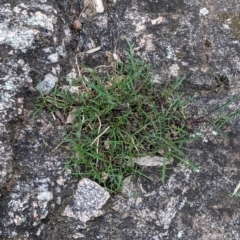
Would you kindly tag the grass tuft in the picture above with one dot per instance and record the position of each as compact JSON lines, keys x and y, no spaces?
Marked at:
{"x":118,"y":117}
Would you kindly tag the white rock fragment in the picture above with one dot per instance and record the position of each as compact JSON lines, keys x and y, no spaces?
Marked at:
{"x":147,"y":41}
{"x":61,"y":51}
{"x":45,"y":196}
{"x":47,"y":50}
{"x":98,"y":5}
{"x":53,"y":58}
{"x":59,"y":200}
{"x":67,"y":33}
{"x":71,"y":76}
{"x":39,"y":19}
{"x":205,"y":140}
{"x":19,"y":220}
{"x":38,"y":232}
{"x":47,"y":84}
{"x":226,"y":26}
{"x":43,"y":187}
{"x":180,"y":234}
{"x":203,"y":12}
{"x":87,"y":201}
{"x":58,"y":189}
{"x":46,"y":8}
{"x":174,"y":70}
{"x":214,"y":133}
{"x":61,"y":181}
{"x":43,"y":214}
{"x":116,"y":57}
{"x":157,"y":20}
{"x":78,"y":236}
{"x":56,"y":70}
{"x":170,"y":52}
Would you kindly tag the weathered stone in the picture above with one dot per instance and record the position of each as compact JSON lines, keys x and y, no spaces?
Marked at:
{"x":46,"y":86}
{"x":77,"y":25}
{"x":61,"y":51}
{"x":45,"y":196}
{"x":87,"y":202}
{"x":53,"y":58}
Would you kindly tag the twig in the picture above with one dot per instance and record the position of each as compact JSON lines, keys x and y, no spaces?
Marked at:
{"x":79,"y":72}
{"x":60,"y":143}
{"x":134,"y":145}
{"x":57,"y":146}
{"x":99,"y":129}
{"x":84,"y":8}
{"x":99,"y":136}
{"x":89,"y":125}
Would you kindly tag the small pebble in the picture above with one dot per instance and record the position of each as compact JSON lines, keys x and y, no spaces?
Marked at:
{"x":77,"y":25}
{"x":45,"y":196}
{"x":53,"y":58}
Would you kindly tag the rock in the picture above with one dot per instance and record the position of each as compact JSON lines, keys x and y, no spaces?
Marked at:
{"x":91,"y":7}
{"x":203,"y":12}
{"x":174,"y":70}
{"x":98,"y":4}
{"x":87,"y":202}
{"x":45,"y":196}
{"x":77,"y":25}
{"x":71,"y":76}
{"x":61,"y":51}
{"x":53,"y":58}
{"x":46,"y":86}
{"x":38,"y":19}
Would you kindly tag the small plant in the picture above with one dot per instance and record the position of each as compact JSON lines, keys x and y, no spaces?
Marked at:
{"x":118,"y":117}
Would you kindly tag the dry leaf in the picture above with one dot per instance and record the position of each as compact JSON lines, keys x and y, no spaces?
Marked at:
{"x":60,"y":116}
{"x":127,"y":185}
{"x":151,"y":161}
{"x":71,"y":116}
{"x":104,"y":176}
{"x":161,"y":151}
{"x":93,"y":50}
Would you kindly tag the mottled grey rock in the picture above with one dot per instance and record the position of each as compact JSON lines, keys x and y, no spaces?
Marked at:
{"x":87,"y":202}
{"x":45,"y":196}
{"x":20,"y":34}
{"x":46,"y":86}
